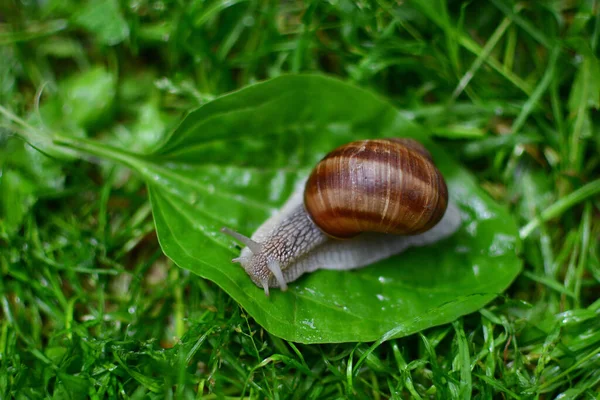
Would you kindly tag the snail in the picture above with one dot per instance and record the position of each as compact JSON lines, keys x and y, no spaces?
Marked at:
{"x":363,"y":202}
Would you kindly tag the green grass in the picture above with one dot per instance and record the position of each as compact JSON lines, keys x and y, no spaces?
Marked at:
{"x":91,"y":308}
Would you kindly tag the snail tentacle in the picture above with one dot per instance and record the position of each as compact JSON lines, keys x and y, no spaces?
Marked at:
{"x":251,"y":244}
{"x":275,"y":269}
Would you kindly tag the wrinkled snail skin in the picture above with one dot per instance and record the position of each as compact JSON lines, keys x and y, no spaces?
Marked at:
{"x":287,"y":237}
{"x":369,"y":189}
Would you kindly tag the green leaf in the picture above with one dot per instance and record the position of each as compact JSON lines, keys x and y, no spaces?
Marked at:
{"x":586,"y":87}
{"x":235,"y":160}
{"x":16,"y":198}
{"x":105,"y":20}
{"x":25,"y":174}
{"x":85,"y":99}
{"x":71,"y":386}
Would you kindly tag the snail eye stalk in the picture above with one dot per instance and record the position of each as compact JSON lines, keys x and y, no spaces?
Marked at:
{"x":251,"y":244}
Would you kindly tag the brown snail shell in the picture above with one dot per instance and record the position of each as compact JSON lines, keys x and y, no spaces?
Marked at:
{"x":385,"y":185}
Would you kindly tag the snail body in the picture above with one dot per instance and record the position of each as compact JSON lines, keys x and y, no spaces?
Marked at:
{"x":364,"y":202}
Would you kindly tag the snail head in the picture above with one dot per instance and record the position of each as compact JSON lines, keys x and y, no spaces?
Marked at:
{"x":258,"y":266}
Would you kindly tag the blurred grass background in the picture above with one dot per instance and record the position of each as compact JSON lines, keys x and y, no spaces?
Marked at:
{"x":90,"y":308}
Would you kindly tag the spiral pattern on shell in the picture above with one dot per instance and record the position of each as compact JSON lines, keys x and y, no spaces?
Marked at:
{"x":381,"y":185}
